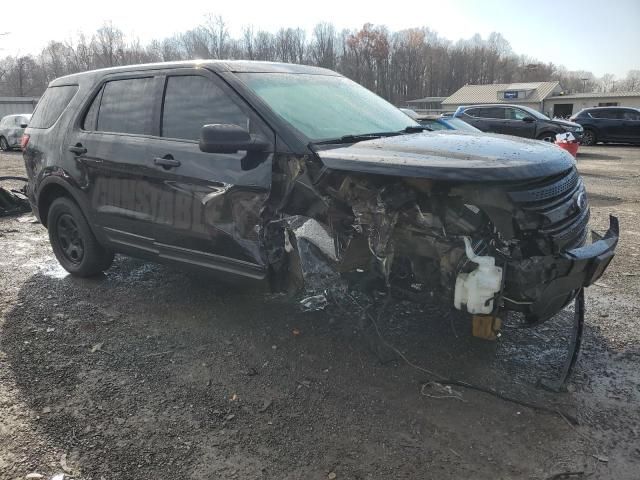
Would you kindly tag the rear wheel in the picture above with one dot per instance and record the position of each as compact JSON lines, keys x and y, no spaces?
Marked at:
{"x":4,"y":145}
{"x":73,"y":243}
{"x":588,"y":138}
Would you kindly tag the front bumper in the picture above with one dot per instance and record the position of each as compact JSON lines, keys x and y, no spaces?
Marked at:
{"x":544,"y":285}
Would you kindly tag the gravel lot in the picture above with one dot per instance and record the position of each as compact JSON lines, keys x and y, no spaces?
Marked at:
{"x":152,"y":373}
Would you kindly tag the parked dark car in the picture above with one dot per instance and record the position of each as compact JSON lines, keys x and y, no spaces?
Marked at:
{"x":445,"y":122}
{"x":300,"y":178}
{"x":609,"y":124}
{"x":516,"y":120}
{"x":11,"y":130}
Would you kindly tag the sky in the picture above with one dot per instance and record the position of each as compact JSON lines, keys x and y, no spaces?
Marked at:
{"x":594,"y":35}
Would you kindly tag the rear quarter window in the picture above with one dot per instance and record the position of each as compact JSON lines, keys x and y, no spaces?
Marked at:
{"x":51,"y":105}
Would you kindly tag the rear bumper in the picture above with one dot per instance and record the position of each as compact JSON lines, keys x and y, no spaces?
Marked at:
{"x":542,"y":286}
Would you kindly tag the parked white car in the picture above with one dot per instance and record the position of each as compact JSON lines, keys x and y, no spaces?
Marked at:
{"x":11,"y":130}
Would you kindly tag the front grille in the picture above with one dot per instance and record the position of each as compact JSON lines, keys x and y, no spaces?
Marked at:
{"x":555,"y":208}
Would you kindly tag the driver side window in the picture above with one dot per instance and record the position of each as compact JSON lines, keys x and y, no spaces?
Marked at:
{"x":192,"y":101}
{"x":515,"y":114}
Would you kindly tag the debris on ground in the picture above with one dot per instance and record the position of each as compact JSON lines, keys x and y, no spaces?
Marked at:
{"x":438,"y":390}
{"x":12,"y":201}
{"x":314,"y":303}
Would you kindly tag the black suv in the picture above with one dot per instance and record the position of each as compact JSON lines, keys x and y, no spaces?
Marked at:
{"x":301,"y":178}
{"x":516,"y":120}
{"x":609,"y":124}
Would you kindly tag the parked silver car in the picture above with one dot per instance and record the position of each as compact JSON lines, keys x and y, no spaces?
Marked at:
{"x":11,"y":130}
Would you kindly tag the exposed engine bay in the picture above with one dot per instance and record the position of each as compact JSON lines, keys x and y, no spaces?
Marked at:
{"x":481,"y":247}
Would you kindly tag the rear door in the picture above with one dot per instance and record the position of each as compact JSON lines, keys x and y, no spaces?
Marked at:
{"x":487,"y":119}
{"x":110,"y":144}
{"x":211,"y":202}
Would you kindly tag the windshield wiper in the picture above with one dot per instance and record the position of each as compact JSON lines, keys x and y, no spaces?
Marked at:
{"x":356,"y":138}
{"x":370,"y":136}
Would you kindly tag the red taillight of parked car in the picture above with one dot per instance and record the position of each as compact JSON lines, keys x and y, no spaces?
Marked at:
{"x":24,"y":141}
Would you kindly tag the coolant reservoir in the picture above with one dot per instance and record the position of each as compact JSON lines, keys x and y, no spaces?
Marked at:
{"x":477,"y":289}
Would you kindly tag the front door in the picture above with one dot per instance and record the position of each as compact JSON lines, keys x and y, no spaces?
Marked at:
{"x":153,"y":192}
{"x":631,"y":125}
{"x":519,"y":122}
{"x":211,"y":202}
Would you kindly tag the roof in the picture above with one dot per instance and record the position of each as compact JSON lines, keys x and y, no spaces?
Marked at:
{"x":18,"y":115}
{"x":215,"y":65}
{"x":596,"y":95}
{"x":427,"y":100}
{"x":479,"y":94}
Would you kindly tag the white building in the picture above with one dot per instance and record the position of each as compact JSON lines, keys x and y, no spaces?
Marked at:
{"x":566,"y":105}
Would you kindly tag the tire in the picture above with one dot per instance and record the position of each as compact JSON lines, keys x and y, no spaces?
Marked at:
{"x":73,"y":243}
{"x":4,"y":145}
{"x":547,"y":137}
{"x":588,"y":138}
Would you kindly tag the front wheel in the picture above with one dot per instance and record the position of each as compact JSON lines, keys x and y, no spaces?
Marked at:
{"x":547,"y":137}
{"x":73,"y":243}
{"x":4,"y":145}
{"x":588,"y":138}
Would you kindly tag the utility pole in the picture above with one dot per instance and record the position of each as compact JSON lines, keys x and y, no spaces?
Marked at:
{"x":584,"y":84}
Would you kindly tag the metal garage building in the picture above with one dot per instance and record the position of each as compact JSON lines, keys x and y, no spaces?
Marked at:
{"x":546,"y":97}
{"x":11,"y":105}
{"x":566,"y":105}
{"x":531,"y":94}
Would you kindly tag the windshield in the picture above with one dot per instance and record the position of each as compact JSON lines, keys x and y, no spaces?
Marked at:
{"x":458,"y":124}
{"x":534,"y":113}
{"x":325,"y":107}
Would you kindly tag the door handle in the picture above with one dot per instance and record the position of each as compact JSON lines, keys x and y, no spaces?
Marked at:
{"x":166,"y":162}
{"x":77,"y":149}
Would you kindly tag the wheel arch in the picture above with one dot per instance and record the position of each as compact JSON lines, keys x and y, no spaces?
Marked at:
{"x":53,"y":187}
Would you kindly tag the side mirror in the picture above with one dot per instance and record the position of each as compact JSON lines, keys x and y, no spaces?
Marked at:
{"x":528,"y":119}
{"x":229,"y":138}
{"x":23,"y":125}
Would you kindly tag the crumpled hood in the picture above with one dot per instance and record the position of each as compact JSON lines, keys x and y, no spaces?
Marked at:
{"x":565,"y":123}
{"x":450,"y":155}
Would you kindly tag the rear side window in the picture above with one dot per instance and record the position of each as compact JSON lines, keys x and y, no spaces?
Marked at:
{"x":605,"y":114}
{"x":126,"y":106}
{"x":631,"y":115}
{"x":192,"y":101}
{"x":51,"y":105}
{"x":492,"y":112}
{"x":486,"y":112}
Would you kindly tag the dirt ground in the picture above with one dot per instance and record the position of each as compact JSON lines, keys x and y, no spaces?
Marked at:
{"x":152,"y":373}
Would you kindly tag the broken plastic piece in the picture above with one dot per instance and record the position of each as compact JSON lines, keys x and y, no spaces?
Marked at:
{"x":316,"y":302}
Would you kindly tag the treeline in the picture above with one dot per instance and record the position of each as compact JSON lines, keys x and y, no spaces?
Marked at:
{"x":401,"y":65}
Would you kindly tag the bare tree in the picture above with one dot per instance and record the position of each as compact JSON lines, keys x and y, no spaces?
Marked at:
{"x":400,"y":65}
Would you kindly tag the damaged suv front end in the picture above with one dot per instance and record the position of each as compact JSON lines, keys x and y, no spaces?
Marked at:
{"x":484,"y":223}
